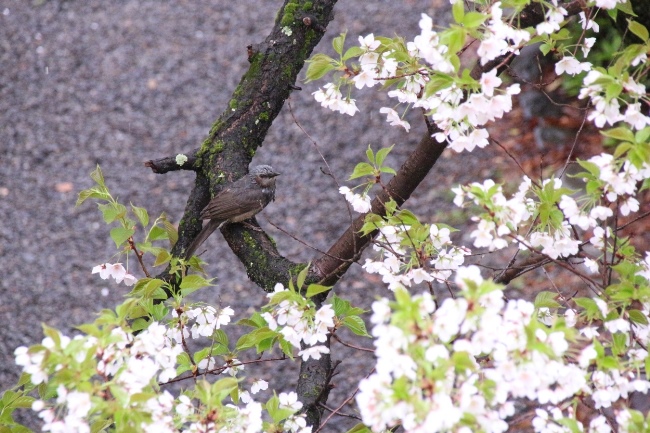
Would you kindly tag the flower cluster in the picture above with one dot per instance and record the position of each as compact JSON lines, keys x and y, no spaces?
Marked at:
{"x":115,"y":270}
{"x":500,"y":37}
{"x":130,"y":362}
{"x":503,"y":217}
{"x":206,"y":320}
{"x":396,"y":266}
{"x":435,"y":380}
{"x":375,"y":67}
{"x":607,"y":108}
{"x":360,"y":203}
{"x":330,"y":97}
{"x":298,"y":324}
{"x":78,"y":406}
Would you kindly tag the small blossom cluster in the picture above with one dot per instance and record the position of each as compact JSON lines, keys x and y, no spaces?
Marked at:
{"x":134,"y":361}
{"x":461,"y":119}
{"x":78,"y":406}
{"x":330,"y":97}
{"x":247,"y":419}
{"x":115,"y":270}
{"x":553,"y":17}
{"x":206,"y":321}
{"x":296,"y":423}
{"x":431,"y":381}
{"x":618,"y":183}
{"x":360,"y":203}
{"x":607,"y":109}
{"x":294,"y":321}
{"x":395,"y":267}
{"x":619,"y":180}
{"x":375,"y":67}
{"x":500,"y":37}
{"x":504,"y":215}
{"x":130,"y":362}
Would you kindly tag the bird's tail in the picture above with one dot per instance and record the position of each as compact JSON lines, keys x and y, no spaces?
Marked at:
{"x":205,"y":232}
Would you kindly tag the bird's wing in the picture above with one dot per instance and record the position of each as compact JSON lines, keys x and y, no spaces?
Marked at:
{"x":233,"y":202}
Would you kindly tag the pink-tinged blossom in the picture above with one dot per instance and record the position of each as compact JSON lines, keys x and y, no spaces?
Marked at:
{"x":588,"y":23}
{"x":587,"y":45}
{"x":369,"y":43}
{"x":608,"y":4}
{"x":554,"y":17}
{"x":313,"y":352}
{"x":330,"y":97}
{"x":489,"y":81}
{"x":360,"y":203}
{"x":115,"y":270}
{"x":289,"y":400}
{"x":393,"y":118}
{"x":635,"y":118}
{"x":591,"y":265}
{"x":259,"y":385}
{"x":571,"y":65}
{"x":365,"y":78}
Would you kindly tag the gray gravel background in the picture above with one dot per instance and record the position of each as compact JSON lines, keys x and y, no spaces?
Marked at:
{"x":117,"y":83}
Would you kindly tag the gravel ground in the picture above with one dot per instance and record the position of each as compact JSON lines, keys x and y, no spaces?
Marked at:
{"x":118,"y":83}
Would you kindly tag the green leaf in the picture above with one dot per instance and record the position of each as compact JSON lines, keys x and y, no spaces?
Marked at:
{"x":142,"y":215}
{"x":341,"y":306}
{"x":254,"y":337}
{"x":637,"y":316}
{"x":356,"y":325}
{"x":162,"y":257}
{"x":112,"y":211}
{"x":359,"y":428}
{"x":638,"y":29}
{"x":157,"y":233}
{"x":612,"y":90}
{"x":590,"y":307}
{"x":95,"y":192}
{"x":642,"y":135}
{"x":621,"y":133}
{"x":362,"y":169}
{"x":352,"y":52}
{"x":319,"y":65}
{"x":382,"y":154}
{"x":194,"y":282}
{"x":370,"y":155}
{"x":151,"y":286}
{"x":546,"y":300}
{"x":315,"y":289}
{"x":172,"y":233}
{"x":458,"y":11}
{"x":625,"y":8}
{"x":302,"y":275}
{"x":338,"y":43}
{"x":98,"y":176}
{"x":387,"y":170}
{"x":545,"y":48}
{"x":120,"y":235}
{"x":473,"y":19}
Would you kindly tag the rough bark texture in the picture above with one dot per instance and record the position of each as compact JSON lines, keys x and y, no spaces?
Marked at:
{"x":234,"y":138}
{"x":331,"y":266}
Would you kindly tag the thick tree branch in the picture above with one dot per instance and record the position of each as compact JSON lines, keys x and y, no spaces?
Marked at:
{"x":331,"y":266}
{"x":240,"y":130}
{"x":164,"y":165}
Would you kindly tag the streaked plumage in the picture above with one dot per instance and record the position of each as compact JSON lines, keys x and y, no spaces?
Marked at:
{"x":239,"y":201}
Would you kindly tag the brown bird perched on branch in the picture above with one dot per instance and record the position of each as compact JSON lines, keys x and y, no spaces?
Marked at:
{"x":239,"y":201}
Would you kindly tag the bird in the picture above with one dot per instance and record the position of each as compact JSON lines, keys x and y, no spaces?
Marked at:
{"x":239,"y":201}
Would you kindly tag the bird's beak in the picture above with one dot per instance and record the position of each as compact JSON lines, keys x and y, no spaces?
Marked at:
{"x":275,"y":173}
